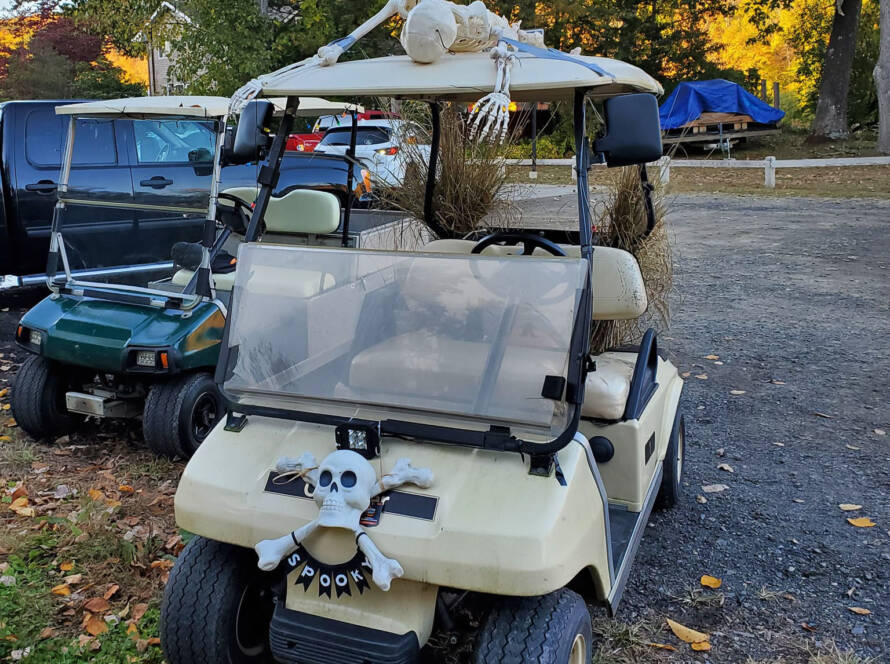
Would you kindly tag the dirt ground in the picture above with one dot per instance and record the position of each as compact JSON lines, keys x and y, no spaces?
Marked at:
{"x":790,"y":300}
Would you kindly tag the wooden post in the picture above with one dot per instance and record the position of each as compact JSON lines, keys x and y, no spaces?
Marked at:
{"x":776,"y":100}
{"x":769,"y":173}
{"x":664,"y":173}
{"x":763,"y":91}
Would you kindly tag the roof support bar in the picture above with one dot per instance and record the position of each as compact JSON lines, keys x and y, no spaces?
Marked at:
{"x":428,"y":214}
{"x":350,"y":178}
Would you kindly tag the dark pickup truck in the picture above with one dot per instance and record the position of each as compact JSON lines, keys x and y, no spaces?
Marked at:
{"x":117,"y":161}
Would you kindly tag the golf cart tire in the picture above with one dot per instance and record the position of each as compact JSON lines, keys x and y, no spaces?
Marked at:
{"x":167,"y":421}
{"x":202,"y":604}
{"x":38,"y":399}
{"x":672,"y":466}
{"x":533,"y":630}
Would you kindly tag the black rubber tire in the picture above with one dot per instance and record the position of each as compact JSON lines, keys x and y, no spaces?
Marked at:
{"x":208,"y":610}
{"x":539,"y":630}
{"x":169,"y":418}
{"x":672,"y":467}
{"x":38,"y":399}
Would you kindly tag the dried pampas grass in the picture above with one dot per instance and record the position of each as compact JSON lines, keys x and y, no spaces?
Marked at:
{"x":622,"y":224}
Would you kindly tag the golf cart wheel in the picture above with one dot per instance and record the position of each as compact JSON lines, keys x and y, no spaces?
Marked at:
{"x":550,"y":629}
{"x":38,"y":399}
{"x":217,"y":607}
{"x":672,"y":466}
{"x":180,"y":413}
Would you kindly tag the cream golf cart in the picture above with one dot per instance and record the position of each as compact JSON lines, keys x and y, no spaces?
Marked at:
{"x":407,"y":430}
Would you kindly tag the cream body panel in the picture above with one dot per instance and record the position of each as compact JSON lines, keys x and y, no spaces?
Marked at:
{"x":525,"y":541}
{"x":627,"y":475}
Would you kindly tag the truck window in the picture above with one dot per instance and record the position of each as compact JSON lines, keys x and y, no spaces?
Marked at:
{"x":45,"y":134}
{"x":171,"y":141}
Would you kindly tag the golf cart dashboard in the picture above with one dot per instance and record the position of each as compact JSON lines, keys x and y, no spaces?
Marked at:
{"x":454,"y":348}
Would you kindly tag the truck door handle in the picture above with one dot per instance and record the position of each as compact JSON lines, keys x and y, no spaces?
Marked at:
{"x":157,"y":182}
{"x":42,"y":187}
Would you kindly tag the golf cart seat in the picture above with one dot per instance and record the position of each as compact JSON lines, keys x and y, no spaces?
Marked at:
{"x":619,"y":293}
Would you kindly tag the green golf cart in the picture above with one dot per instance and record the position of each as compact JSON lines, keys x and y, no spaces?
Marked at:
{"x":130,"y":338}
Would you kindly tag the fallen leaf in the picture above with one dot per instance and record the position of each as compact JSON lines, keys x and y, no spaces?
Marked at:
{"x":4,"y":392}
{"x":880,"y":432}
{"x":726,"y":467}
{"x":47,"y":633}
{"x":700,"y":498}
{"x":67,"y":566}
{"x":126,"y":488}
{"x":862,"y":522}
{"x":95,"y":494}
{"x":20,"y":492}
{"x":736,"y":393}
{"x":139,"y":611}
{"x":701,"y":645}
{"x":96,"y":626}
{"x":849,"y":507}
{"x":154,"y":641}
{"x":798,"y":500}
{"x":96,"y":605}
{"x":110,"y":592}
{"x":162,"y":564}
{"x":10,"y":422}
{"x":808,"y":627}
{"x":709,"y":581}
{"x":827,"y":417}
{"x":859,"y":610}
{"x":714,"y":488}
{"x":779,"y":444}
{"x":719,"y":363}
{"x":686,"y":634}
{"x":777,"y":382}
{"x":62,"y":589}
{"x":852,"y":447}
{"x":686,"y":374}
{"x":712,"y":357}
{"x":721,"y":452}
{"x":702,"y":376}
{"x":663,"y":646}
{"x":21,"y":501}
{"x":132,"y":631}
{"x":73,"y":579}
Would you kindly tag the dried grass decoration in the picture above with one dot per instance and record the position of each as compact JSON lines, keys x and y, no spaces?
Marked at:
{"x":469,"y":180}
{"x":622,"y":224}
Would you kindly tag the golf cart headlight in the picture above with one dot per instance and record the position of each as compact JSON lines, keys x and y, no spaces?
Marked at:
{"x":36,"y":338}
{"x":146,"y":358}
{"x":29,"y":336}
{"x":359,"y":437}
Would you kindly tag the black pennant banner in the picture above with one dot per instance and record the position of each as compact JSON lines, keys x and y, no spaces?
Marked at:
{"x":330,"y":577}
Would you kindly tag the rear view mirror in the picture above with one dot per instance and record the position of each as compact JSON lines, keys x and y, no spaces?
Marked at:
{"x":252,"y":135}
{"x":633,"y":130}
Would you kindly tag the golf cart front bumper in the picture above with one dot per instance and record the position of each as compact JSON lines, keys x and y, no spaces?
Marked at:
{"x":303,"y":638}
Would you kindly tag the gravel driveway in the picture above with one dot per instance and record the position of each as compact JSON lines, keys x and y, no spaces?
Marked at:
{"x":792,"y":296}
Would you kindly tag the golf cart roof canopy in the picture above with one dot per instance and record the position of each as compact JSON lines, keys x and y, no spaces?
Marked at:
{"x":190,"y":106}
{"x":552,"y":76}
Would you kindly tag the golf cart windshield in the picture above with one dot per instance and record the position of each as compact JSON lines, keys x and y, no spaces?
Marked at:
{"x":408,"y":336}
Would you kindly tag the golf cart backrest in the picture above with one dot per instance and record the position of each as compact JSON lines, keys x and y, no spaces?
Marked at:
{"x":619,"y":292}
{"x":299,"y":212}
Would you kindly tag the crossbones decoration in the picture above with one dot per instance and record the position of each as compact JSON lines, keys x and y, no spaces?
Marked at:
{"x":344,"y":484}
{"x":431,"y":29}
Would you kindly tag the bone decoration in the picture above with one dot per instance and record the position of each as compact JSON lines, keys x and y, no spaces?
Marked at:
{"x":344,"y":484}
{"x":431,"y":29}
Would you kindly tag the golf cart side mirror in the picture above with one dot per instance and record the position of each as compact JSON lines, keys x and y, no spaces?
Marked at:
{"x":201,"y":160}
{"x":633,"y":130}
{"x":252,"y":134}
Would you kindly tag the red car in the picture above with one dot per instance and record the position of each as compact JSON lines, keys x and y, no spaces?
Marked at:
{"x":307,"y":142}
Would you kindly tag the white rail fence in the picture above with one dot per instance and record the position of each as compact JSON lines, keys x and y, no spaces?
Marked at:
{"x":769,"y":165}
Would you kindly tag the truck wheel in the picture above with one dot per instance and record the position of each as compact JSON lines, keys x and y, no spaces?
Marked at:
{"x":217,"y":607}
{"x":38,"y":399}
{"x":180,"y":413}
{"x":672,"y":466}
{"x":550,"y":629}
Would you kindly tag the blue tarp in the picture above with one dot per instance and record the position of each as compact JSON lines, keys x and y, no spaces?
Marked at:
{"x":689,"y":100}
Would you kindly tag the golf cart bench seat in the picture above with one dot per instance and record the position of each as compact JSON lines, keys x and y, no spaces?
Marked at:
{"x":299,"y":212}
{"x":619,"y":292}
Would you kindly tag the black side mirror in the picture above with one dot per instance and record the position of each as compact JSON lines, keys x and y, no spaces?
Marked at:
{"x":633,"y":130}
{"x":201,"y":160}
{"x":252,"y":135}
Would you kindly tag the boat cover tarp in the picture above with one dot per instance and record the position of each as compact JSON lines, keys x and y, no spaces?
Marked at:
{"x":690,"y":99}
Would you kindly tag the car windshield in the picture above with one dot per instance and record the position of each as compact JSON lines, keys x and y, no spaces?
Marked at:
{"x":363,"y":136}
{"x":410,"y":336}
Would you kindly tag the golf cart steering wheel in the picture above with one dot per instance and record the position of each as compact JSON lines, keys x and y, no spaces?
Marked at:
{"x":529,"y":241}
{"x":242,"y":208}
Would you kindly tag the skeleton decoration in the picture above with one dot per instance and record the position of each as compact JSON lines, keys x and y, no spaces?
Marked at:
{"x":344,"y":484}
{"x":431,"y":29}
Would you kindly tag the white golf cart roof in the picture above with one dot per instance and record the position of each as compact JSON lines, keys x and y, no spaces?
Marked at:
{"x":190,"y":106}
{"x":462,"y":77}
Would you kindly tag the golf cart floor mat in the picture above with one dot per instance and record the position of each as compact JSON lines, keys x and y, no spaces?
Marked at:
{"x":301,"y":638}
{"x":621,"y":525}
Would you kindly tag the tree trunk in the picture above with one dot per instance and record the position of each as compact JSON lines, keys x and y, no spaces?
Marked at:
{"x":831,"y":111}
{"x":882,"y":80}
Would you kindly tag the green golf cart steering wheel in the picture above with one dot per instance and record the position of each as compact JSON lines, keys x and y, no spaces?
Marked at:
{"x":529,"y":241}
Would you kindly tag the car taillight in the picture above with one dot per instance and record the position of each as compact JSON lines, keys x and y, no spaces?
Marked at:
{"x":388,"y":151}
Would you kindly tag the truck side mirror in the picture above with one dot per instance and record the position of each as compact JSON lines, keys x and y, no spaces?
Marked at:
{"x":633,"y":130}
{"x":252,"y":135}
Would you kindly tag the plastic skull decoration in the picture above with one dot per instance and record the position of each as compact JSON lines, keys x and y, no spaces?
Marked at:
{"x":344,"y":484}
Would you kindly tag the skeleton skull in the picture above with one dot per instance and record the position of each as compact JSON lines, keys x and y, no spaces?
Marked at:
{"x":346,"y":483}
